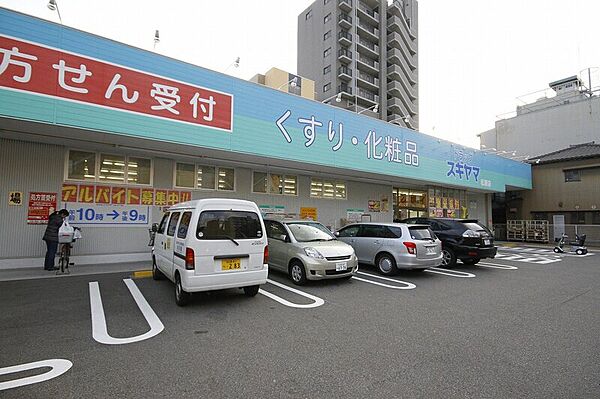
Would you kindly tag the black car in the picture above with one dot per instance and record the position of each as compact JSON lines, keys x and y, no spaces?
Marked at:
{"x":464,"y":239}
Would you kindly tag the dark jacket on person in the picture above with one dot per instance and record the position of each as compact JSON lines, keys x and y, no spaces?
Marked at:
{"x":54,"y":223}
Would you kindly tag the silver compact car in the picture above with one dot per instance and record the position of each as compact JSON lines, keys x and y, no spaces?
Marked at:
{"x":307,"y":250}
{"x":393,"y":246}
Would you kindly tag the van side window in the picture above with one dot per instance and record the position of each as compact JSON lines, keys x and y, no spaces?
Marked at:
{"x":184,"y":224}
{"x":223,"y":225}
{"x":163,"y":224}
{"x":173,"y":224}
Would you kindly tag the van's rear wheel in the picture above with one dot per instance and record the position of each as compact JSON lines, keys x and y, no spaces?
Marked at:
{"x":156,"y":274}
{"x":251,"y":291}
{"x":181,"y":297}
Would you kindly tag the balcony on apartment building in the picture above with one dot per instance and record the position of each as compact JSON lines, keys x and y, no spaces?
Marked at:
{"x":345,"y":55}
{"x":345,"y":20}
{"x":368,"y":30}
{"x":398,"y":41}
{"x":369,"y":96}
{"x":367,"y":47}
{"x":401,"y":71}
{"x":367,"y":80}
{"x":368,"y":64}
{"x":345,"y":38}
{"x":399,"y":56}
{"x":398,"y":24}
{"x":345,"y":5}
{"x":369,"y":15}
{"x":345,"y":73}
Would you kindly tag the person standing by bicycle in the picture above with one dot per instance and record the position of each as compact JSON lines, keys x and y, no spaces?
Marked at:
{"x":51,"y":237}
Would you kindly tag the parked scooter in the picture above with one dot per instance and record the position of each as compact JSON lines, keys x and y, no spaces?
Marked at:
{"x":576,"y":246}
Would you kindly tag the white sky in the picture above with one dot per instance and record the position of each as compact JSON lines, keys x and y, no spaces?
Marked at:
{"x":475,"y":56}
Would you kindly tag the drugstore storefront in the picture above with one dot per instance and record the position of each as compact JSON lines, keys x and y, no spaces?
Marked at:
{"x":117,"y":134}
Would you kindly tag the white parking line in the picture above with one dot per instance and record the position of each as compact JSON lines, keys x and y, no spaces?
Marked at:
{"x":99,"y":331}
{"x":57,"y":367}
{"x":407,"y":285}
{"x":451,"y":273}
{"x":497,"y":266}
{"x":316,"y":300}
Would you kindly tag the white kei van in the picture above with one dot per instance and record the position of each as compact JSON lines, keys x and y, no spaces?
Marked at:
{"x":211,"y":244}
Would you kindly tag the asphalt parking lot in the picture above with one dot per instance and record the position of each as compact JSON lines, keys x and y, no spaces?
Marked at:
{"x":526,"y":324}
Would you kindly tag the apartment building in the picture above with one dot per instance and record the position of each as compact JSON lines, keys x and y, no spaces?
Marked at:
{"x":363,"y":56}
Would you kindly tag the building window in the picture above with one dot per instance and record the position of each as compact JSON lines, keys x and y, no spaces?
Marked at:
{"x":327,"y":18}
{"x":138,"y":170}
{"x":184,"y":175}
{"x":308,"y":15}
{"x":572,"y":175}
{"x":327,"y":69}
{"x":330,"y":189}
{"x":326,"y":1}
{"x":326,"y":52}
{"x":81,"y":165}
{"x":274,"y":183}
{"x":204,"y":177}
{"x":226,"y":181}
{"x":326,"y":87}
{"x":327,"y":35}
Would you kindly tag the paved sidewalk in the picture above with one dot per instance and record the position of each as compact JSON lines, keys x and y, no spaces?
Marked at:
{"x":550,"y":245}
{"x":29,"y":273}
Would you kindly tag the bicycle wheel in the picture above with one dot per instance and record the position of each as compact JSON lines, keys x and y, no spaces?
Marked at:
{"x":61,"y":260}
{"x":67,"y":257}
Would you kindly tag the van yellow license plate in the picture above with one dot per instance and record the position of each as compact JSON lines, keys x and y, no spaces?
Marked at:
{"x":231,"y":264}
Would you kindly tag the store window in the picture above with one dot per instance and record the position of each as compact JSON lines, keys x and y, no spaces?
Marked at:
{"x":108,"y":168}
{"x":138,"y":170}
{"x":112,"y":168}
{"x":205,"y":177}
{"x":184,"y":175}
{"x":81,"y":165}
{"x":320,"y":188}
{"x":226,"y":181}
{"x":274,"y":183}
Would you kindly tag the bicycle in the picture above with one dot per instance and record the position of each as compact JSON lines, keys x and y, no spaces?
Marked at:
{"x":65,"y":254}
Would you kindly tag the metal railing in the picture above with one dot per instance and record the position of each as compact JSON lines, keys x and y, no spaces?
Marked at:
{"x":368,"y":61}
{"x":345,"y":70}
{"x":363,"y":7}
{"x":344,"y":52}
{"x":368,"y":78}
{"x":368,"y":44}
{"x":369,"y":95}
{"x":345,"y":17}
{"x":592,"y":232}
{"x":345,"y":34}
{"x":344,"y":89}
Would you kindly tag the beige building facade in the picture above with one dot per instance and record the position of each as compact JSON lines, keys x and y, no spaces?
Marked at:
{"x":281,"y":80}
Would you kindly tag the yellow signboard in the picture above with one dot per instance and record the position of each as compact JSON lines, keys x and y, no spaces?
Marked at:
{"x":308,"y":213}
